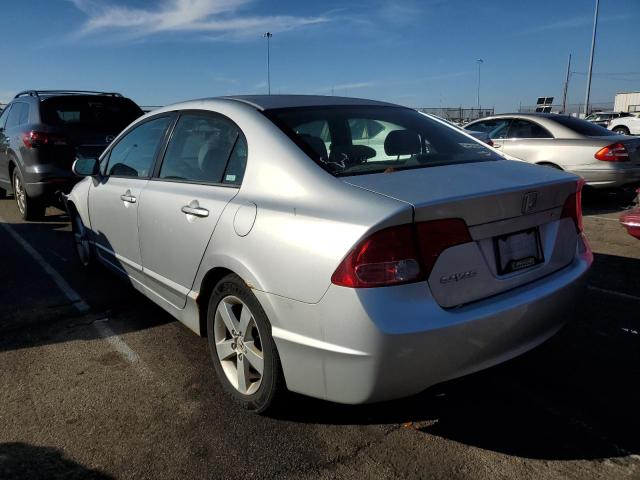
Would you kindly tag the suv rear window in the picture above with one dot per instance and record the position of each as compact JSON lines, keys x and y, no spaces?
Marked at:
{"x":357,"y":140}
{"x":108,"y":113}
{"x":582,"y":126}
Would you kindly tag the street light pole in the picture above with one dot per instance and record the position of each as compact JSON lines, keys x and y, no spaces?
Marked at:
{"x":480,"y":62}
{"x":593,"y":47}
{"x":566,"y":87}
{"x":268,"y":36}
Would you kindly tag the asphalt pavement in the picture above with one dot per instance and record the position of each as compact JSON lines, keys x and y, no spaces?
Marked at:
{"x":98,"y":382}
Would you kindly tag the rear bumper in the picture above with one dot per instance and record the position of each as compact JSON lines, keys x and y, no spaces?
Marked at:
{"x":44,"y":181}
{"x":367,"y":345}
{"x":611,"y":177}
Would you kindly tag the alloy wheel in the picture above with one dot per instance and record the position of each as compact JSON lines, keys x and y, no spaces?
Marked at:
{"x":239,"y":345}
{"x":19,"y":193}
{"x":81,"y":241}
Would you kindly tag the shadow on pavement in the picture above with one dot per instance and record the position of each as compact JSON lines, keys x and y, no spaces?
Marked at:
{"x":596,"y":202}
{"x":34,"y":310}
{"x":24,"y":461}
{"x":575,"y":397}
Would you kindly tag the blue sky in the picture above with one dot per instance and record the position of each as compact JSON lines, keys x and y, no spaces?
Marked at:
{"x":417,"y":53}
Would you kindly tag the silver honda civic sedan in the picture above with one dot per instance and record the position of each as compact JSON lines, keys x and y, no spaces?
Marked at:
{"x":605,"y":159}
{"x":321,"y":259}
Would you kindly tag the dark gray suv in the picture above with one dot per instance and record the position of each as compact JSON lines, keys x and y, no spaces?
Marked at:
{"x":41,"y":134}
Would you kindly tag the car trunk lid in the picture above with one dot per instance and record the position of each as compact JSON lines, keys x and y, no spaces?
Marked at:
{"x":514,"y":214}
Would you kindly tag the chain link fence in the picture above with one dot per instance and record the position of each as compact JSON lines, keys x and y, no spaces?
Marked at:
{"x":459,"y":114}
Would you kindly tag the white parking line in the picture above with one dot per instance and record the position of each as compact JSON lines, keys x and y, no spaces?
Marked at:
{"x":120,"y":346}
{"x":613,"y":292}
{"x":78,"y":303}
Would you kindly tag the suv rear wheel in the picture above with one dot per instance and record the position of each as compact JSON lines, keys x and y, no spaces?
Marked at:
{"x":29,"y":208}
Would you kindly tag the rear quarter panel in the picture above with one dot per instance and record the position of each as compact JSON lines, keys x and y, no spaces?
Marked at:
{"x":568,"y":154}
{"x":305,"y":222}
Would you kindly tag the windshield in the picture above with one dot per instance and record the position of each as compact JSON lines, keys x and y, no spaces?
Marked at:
{"x":105,"y":113}
{"x":582,"y":127}
{"x":353,"y":140}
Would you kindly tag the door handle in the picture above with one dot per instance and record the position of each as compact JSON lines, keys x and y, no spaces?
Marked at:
{"x":127,"y":197}
{"x":197,"y":211}
{"x":496,"y":145}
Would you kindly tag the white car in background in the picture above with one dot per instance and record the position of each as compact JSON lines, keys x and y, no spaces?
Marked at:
{"x":625,"y":125}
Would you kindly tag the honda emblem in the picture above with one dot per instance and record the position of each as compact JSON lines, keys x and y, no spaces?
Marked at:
{"x":529,"y":202}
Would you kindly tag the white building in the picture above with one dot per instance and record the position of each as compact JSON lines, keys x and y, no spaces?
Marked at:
{"x":627,"y":102}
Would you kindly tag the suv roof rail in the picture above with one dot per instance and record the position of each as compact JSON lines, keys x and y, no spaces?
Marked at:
{"x":37,"y":93}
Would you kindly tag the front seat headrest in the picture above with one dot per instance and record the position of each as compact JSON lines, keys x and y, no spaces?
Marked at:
{"x":317,"y":145}
{"x":402,"y":142}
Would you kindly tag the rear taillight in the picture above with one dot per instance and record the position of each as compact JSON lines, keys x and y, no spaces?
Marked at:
{"x":401,"y":254}
{"x":35,"y":139}
{"x":436,"y":236}
{"x":615,"y":152}
{"x":573,"y":207}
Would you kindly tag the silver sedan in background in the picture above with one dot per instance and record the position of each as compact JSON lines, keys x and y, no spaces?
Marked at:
{"x":603,"y":158}
{"x":316,"y":263}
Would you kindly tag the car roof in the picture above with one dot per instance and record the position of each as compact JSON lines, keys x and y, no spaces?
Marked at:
{"x":268,"y":102}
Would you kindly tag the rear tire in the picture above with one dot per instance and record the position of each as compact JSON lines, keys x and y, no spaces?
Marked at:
{"x":621,"y":130}
{"x":241,"y":345}
{"x":28,"y":207}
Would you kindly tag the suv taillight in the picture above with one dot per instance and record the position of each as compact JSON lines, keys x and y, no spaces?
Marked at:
{"x":401,"y":254}
{"x":35,"y":139}
{"x":615,"y":152}
{"x":573,"y":207}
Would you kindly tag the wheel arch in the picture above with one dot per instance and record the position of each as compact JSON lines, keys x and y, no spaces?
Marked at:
{"x":623,"y":128}
{"x":546,"y":163}
{"x":209,"y":281}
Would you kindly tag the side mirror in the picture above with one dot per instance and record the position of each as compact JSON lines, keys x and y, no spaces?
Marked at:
{"x":86,"y":166}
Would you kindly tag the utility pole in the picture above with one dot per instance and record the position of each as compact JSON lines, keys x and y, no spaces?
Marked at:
{"x":268,"y":36}
{"x":566,"y":87}
{"x":593,"y":47}
{"x":480,"y":62}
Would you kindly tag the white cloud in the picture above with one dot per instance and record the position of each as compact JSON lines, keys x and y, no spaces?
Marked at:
{"x":190,"y":16}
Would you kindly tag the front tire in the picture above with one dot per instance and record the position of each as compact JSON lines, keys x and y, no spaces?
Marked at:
{"x":84,"y":252}
{"x":29,"y":208}
{"x":621,"y":130}
{"x":242,"y":349}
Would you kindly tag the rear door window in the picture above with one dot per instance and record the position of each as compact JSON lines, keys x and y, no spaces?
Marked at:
{"x":200,"y":149}
{"x":18,"y":115}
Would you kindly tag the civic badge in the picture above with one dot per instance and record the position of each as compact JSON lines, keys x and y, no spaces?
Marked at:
{"x":529,"y":202}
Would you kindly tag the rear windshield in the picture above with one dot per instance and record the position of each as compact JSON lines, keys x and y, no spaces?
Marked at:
{"x":107,"y":113}
{"x":362,"y":140}
{"x":582,"y":127}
